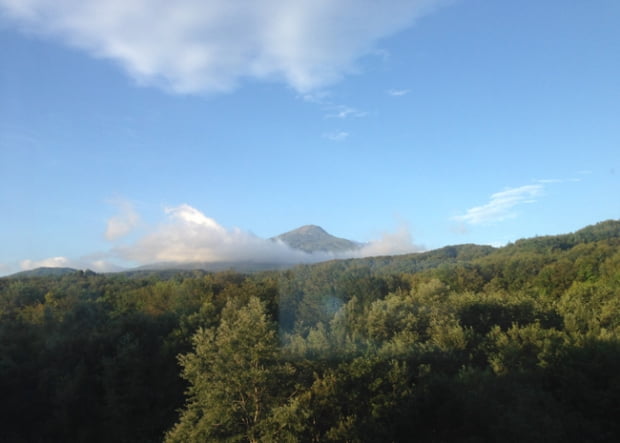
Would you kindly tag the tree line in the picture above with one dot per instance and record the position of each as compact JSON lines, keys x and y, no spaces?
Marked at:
{"x":467,"y":343}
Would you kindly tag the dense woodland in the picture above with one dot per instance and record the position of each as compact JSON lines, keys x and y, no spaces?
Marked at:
{"x":465,"y":343}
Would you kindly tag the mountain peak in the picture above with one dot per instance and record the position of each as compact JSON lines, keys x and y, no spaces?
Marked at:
{"x":309,"y":229}
{"x":313,"y":238}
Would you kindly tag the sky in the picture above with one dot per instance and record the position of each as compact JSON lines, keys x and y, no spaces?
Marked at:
{"x":141,"y":131}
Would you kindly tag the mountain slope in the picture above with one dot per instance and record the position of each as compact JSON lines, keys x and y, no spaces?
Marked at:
{"x":312,"y":238}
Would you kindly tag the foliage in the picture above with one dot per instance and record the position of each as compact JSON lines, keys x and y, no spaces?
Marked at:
{"x":467,"y":343}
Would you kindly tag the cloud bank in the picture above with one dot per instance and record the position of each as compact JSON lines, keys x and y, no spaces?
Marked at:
{"x":190,"y":46}
{"x":501,"y":205}
{"x":189,"y":236}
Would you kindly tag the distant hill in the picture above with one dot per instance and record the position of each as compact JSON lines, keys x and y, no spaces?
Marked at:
{"x":600,"y":231}
{"x":312,"y":238}
{"x":407,"y":263}
{"x":467,"y":254}
{"x":44,"y":272}
{"x":165,"y":269}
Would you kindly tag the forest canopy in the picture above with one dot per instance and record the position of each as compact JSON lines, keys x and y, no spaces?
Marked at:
{"x":466,"y":343}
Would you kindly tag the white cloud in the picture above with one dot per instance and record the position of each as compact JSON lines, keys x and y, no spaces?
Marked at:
{"x":398,"y":92}
{"x":123,"y":223}
{"x":51,"y":262}
{"x":100,"y":266}
{"x":320,"y":97}
{"x":190,"y":236}
{"x":92,"y":263}
{"x":343,"y":111}
{"x":390,"y":243}
{"x":558,"y":180}
{"x":550,"y":180}
{"x":337,"y":136}
{"x":192,"y":216}
{"x":210,"y":46}
{"x":331,"y":109}
{"x":500,"y":206}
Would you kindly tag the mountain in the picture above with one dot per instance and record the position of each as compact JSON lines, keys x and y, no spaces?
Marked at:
{"x":545,"y":248}
{"x":309,"y":238}
{"x":312,"y":238}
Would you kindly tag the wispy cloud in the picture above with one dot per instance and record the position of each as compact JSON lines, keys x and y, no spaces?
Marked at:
{"x":343,"y":111}
{"x":547,"y":181}
{"x":501,"y":205}
{"x":209,"y":46}
{"x":124,"y":222}
{"x":321,"y":97}
{"x":550,"y":180}
{"x":333,"y":110}
{"x":398,"y":92}
{"x":337,"y":136}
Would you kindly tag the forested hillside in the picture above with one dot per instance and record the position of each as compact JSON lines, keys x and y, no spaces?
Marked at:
{"x":466,"y":343}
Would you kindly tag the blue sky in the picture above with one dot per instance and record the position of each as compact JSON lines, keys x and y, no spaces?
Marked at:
{"x":133,"y":131}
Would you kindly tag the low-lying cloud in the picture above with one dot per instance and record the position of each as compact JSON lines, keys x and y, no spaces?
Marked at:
{"x":390,"y":243}
{"x":190,"y":46}
{"x":51,"y":262}
{"x":90,"y":262}
{"x":189,"y":236}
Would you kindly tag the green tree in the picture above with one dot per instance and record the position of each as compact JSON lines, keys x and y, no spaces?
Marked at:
{"x":234,"y":376}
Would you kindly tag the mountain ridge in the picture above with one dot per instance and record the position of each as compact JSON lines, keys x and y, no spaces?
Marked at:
{"x":412,"y":262}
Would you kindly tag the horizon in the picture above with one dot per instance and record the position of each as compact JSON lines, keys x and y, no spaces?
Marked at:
{"x":303,"y":257}
{"x":128,"y":139}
